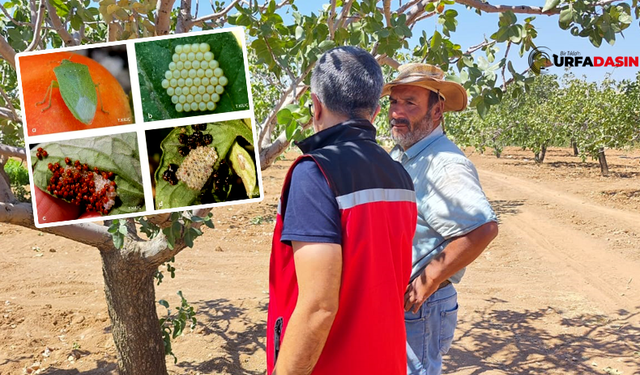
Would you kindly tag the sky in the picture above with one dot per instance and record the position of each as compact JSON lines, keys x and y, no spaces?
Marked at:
{"x":472,"y":28}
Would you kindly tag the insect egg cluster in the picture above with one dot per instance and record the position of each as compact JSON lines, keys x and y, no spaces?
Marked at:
{"x":41,"y":153}
{"x":197,"y":167}
{"x":77,"y":183}
{"x":194,"y":80}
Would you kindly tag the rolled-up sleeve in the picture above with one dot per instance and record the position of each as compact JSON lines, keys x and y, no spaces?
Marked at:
{"x":456,"y":204}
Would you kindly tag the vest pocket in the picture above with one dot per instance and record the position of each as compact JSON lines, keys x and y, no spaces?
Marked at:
{"x":277,"y":333}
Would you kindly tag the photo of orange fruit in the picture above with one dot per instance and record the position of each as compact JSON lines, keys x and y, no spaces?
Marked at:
{"x":36,"y":75}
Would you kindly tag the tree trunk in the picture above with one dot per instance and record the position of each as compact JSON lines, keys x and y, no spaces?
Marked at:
{"x":539,"y":156}
{"x":130,"y":293}
{"x":574,"y":144}
{"x":604,"y":167}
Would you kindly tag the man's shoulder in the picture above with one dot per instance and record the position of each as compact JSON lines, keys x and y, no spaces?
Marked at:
{"x":443,"y":152}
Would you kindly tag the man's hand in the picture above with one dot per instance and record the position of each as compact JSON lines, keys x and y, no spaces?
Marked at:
{"x":460,"y":252}
{"x":417,"y":292}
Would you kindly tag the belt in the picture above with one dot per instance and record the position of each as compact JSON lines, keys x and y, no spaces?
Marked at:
{"x":443,"y":284}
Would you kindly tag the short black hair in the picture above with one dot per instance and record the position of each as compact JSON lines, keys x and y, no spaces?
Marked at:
{"x":348,"y":81}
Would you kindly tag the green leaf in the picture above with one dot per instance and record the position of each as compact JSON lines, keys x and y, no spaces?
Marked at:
{"x":224,"y":135}
{"x":244,"y":166}
{"x":565,"y":19}
{"x":164,"y":303}
{"x":284,"y":116}
{"x":153,"y":61}
{"x":118,"y":240}
{"x":117,"y":153}
{"x":550,"y":4}
{"x":482,"y":108}
{"x":122,"y":229}
{"x":436,"y":40}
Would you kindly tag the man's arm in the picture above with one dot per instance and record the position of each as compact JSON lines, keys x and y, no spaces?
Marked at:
{"x":459,"y":253}
{"x":319,"y":274}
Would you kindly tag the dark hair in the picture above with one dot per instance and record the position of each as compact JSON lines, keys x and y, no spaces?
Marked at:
{"x":434,"y":98}
{"x":348,"y":81}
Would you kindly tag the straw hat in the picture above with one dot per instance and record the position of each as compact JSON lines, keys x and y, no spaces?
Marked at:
{"x":430,"y":77}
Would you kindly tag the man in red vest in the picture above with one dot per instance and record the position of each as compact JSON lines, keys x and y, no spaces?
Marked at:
{"x":341,"y":252}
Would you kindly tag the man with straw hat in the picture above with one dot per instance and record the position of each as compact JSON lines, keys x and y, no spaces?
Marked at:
{"x":455,"y":220}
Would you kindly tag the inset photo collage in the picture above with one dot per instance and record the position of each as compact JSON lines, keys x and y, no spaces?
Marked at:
{"x":135,"y":128}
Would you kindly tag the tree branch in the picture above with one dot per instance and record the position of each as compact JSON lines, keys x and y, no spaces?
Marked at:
{"x":424,"y":16}
{"x":406,"y":6}
{"x":267,"y":125}
{"x":58,"y":26}
{"x":156,"y":251}
{"x":330,"y":20}
{"x":215,"y":16}
{"x":6,"y":195}
{"x":416,"y":10}
{"x":386,"y":5}
{"x":344,"y":14}
{"x":384,"y":59}
{"x":522,"y":9}
{"x":38,"y":27}
{"x":6,"y":113}
{"x":163,"y":16}
{"x":506,"y":53}
{"x":8,"y":101}
{"x":19,"y":23}
{"x":87,"y":233}
{"x":184,"y":16}
{"x":114,"y":31}
{"x":270,"y":153}
{"x":7,"y":52}
{"x":11,"y":151}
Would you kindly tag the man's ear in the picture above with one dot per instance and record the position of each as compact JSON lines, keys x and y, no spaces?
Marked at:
{"x":317,"y":107}
{"x":375,"y":113}
{"x":438,"y":111}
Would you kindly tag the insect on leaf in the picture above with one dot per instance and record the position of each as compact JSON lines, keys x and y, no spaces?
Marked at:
{"x":77,"y":90}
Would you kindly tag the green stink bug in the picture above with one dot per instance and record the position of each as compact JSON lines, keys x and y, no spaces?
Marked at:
{"x":77,"y":90}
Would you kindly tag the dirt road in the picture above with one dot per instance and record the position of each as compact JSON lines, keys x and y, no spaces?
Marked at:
{"x":558,"y":292}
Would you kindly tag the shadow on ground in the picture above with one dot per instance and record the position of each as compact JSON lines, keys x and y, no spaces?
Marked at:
{"x":504,"y":208}
{"x":242,"y":336}
{"x":514,"y":342}
{"x":104,"y":368}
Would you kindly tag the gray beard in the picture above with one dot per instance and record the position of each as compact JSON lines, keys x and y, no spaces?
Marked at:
{"x":417,"y":132}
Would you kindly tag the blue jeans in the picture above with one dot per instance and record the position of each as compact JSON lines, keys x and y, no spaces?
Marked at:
{"x":430,"y":332}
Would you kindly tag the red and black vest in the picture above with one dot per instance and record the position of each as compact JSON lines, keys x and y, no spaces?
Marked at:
{"x":376,"y":199}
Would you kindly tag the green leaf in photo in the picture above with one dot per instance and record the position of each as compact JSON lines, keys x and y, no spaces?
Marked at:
{"x":153,"y":60}
{"x":224,"y":135}
{"x":116,"y":153}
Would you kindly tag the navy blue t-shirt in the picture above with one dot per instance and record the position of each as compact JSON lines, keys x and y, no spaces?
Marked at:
{"x":312,"y":213}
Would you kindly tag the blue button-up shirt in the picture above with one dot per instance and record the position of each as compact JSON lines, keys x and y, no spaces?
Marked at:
{"x":450,"y":200}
